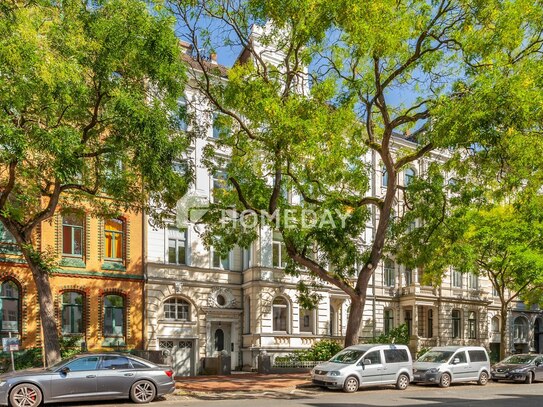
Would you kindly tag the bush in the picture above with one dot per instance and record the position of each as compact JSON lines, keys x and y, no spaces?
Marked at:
{"x":320,"y":351}
{"x":399,"y":335}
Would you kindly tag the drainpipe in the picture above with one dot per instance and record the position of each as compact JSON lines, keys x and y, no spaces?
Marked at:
{"x":373,"y":221}
{"x":144,"y":288}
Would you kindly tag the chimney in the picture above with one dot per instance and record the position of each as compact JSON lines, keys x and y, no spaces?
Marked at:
{"x":213,"y":57}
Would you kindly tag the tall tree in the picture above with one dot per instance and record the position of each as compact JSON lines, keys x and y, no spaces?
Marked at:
{"x":320,"y":97}
{"x":88,"y":110}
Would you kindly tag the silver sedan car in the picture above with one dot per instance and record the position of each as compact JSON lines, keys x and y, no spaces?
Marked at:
{"x":87,"y":377}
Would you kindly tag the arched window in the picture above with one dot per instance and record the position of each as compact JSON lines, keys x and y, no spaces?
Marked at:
{"x":10,"y":306}
{"x":114,"y":239}
{"x":280,"y":314}
{"x":177,"y":309}
{"x":408,"y":176}
{"x":73,"y":228}
{"x":456,"y":324}
{"x":520,"y":329}
{"x":72,"y":312}
{"x":495,"y":325}
{"x":114,"y":315}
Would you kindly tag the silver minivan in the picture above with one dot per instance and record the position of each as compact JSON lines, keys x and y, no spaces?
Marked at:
{"x":452,"y":364}
{"x":366,"y":365}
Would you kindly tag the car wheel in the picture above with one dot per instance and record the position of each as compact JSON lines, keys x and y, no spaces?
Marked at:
{"x":529,"y":378}
{"x":483,"y":379}
{"x":25,"y":395}
{"x":402,"y":382}
{"x":445,"y":380}
{"x":351,"y":384}
{"x":143,"y":392}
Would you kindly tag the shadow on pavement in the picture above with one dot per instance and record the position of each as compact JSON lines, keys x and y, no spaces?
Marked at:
{"x":508,"y":400}
{"x":254,"y":395}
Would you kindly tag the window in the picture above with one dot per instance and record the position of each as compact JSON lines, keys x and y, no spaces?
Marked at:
{"x":177,"y":245}
{"x":456,"y":279}
{"x":82,"y":364}
{"x":216,"y":125}
{"x":72,"y":234}
{"x":113,"y":315}
{"x":408,"y":276}
{"x":477,"y":356}
{"x":384,"y":177}
{"x":247,"y":316}
{"x":280,"y":314}
{"x":456,"y":324}
{"x":396,"y":355}
{"x":220,"y":184}
{"x":9,"y":305}
{"x":306,"y":320}
{"x":408,"y":176}
{"x":114,"y":239}
{"x":520,"y":329}
{"x":180,"y":117}
{"x":72,"y":313}
{"x":219,"y":340}
{"x":389,"y":274}
{"x":388,"y":320}
{"x":8,"y":244}
{"x":408,"y":318}
{"x":177,"y":309}
{"x":279,"y":251}
{"x":461,"y":356}
{"x":115,"y":363}
{"x":495,"y":325}
{"x":219,"y":262}
{"x":473,"y":281}
{"x":430,"y":323}
{"x":373,"y":357}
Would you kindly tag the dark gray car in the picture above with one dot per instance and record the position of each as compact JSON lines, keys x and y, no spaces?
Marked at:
{"x":522,"y":367}
{"x":87,"y":377}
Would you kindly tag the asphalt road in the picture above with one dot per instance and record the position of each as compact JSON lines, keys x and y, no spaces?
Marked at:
{"x":465,"y":395}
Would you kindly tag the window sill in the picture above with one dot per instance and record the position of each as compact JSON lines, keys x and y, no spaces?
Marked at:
{"x":77,"y":262}
{"x":113,"y":265}
{"x":176,"y":322}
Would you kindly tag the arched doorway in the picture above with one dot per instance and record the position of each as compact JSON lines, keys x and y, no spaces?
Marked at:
{"x":219,"y":340}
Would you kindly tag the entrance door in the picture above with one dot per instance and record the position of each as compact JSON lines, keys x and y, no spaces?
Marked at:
{"x":183,"y":358}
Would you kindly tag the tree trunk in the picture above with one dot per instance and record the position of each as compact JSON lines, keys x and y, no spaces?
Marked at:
{"x":355,"y":319}
{"x":503,"y":332}
{"x":51,"y":343}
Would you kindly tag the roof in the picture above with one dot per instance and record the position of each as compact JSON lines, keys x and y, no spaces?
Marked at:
{"x":208,"y":65}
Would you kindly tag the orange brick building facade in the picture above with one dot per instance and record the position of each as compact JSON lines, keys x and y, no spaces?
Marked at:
{"x":98,"y":286}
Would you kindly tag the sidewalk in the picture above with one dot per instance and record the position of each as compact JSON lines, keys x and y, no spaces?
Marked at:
{"x":246,"y":382}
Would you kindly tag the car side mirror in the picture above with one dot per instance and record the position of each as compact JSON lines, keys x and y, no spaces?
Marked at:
{"x":538,"y":363}
{"x":456,"y":361}
{"x":65,"y":370}
{"x":367,"y":361}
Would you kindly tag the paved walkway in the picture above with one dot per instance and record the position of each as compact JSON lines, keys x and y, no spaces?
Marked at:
{"x":243,"y":382}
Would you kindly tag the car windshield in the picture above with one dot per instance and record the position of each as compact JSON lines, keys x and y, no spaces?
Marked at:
{"x":519,"y":359}
{"x":436,"y":356}
{"x":347,"y":356}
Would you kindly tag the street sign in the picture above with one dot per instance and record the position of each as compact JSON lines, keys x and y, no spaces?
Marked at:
{"x":10,"y":344}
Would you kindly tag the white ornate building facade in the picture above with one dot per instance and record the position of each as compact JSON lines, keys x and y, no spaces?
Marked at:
{"x":198,"y":304}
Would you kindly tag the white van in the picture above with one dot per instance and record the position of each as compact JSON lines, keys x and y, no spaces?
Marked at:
{"x":366,"y":365}
{"x":452,"y":364}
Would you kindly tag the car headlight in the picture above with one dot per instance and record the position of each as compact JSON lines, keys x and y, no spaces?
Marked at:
{"x":334,"y":373}
{"x":433,"y":370}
